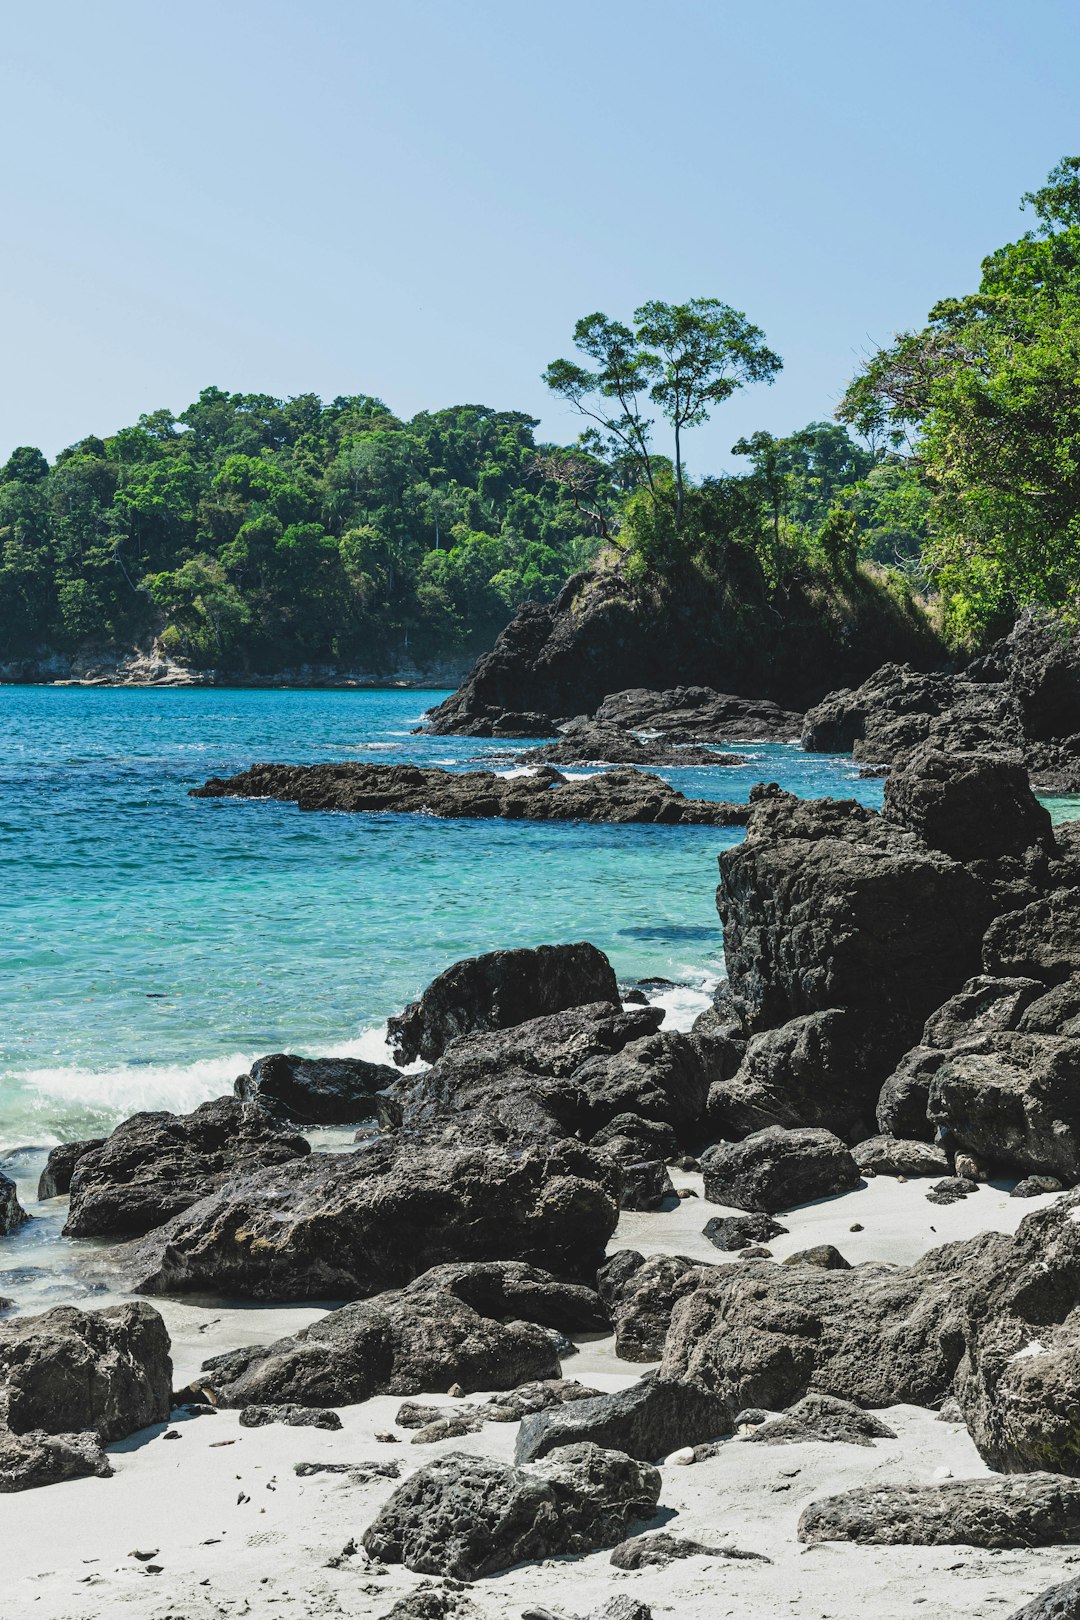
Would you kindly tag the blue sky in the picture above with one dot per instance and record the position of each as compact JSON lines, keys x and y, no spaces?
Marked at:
{"x":417,"y":198}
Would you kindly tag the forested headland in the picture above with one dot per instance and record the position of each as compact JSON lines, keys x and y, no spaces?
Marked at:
{"x":252,"y":534}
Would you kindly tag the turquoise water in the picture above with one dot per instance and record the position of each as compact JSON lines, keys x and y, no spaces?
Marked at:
{"x":154,"y":944}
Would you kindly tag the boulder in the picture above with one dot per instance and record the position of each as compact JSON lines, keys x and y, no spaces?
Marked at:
{"x":466,"y":1516}
{"x":732,"y":1232}
{"x":697,"y":714}
{"x":295,"y":1417}
{"x":1056,"y":1603}
{"x":640,"y":1295}
{"x":1035,"y":1187}
{"x":822,"y":1069}
{"x":983,"y":1006}
{"x":1054,"y":1012}
{"x":315,"y":1091}
{"x":900,"y":709}
{"x":355,"y":1224}
{"x":55,"y":1179}
{"x":1041,"y":941}
{"x":154,"y":1166}
{"x":1044,"y":676}
{"x":1013,"y":1100}
{"x":649,"y":1420}
{"x":12,"y":1214}
{"x":651,"y":1138}
{"x":1018,"y":1383}
{"x":827,"y":905}
{"x":819,"y":1417}
{"x":499,"y":991}
{"x":825,"y":1256}
{"x":72,"y":1380}
{"x":660,"y":1547}
{"x":888,"y":1156}
{"x":455,"y":1325}
{"x":905,"y":1095}
{"x":765,"y":1335}
{"x":1040,"y":1510}
{"x":975,"y":807}
{"x":778,"y":1169}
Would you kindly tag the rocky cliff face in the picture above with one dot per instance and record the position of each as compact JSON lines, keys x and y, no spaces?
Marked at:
{"x":604,"y":635}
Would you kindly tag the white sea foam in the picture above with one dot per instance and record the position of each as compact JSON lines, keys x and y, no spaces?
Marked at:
{"x":683,"y":1002}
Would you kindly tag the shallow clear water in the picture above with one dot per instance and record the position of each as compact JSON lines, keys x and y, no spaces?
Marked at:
{"x":154,"y":944}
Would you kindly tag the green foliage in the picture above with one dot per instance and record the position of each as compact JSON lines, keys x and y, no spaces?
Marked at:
{"x":261,"y":533}
{"x":685,"y":358}
{"x":990,"y":392}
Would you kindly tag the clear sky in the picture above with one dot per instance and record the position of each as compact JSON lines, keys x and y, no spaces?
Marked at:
{"x":417,"y":198}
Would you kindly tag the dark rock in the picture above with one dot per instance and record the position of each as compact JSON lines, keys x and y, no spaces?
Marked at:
{"x":498,"y":991}
{"x":731,"y":1232}
{"x":467,"y":1516}
{"x":1019,"y":1378}
{"x":570,"y":1073}
{"x":975,"y":807}
{"x":476,"y":1326}
{"x":905,"y":1095}
{"x":154,"y":1166}
{"x":641,"y":1294}
{"x":12,"y":1213}
{"x":900,"y":709}
{"x":71,"y":1380}
{"x":315,"y":1091}
{"x":830,"y":909}
{"x":697,"y":714}
{"x":621,"y":795}
{"x":776,"y":1169}
{"x":1039,"y":1510}
{"x":951,"y":1190}
{"x":296,"y":1417}
{"x":1054,"y":1012}
{"x":397,"y":1207}
{"x":1043,"y":671}
{"x":1035,"y":1186}
{"x":55,"y":1179}
{"x":983,"y":1006}
{"x":649,"y":1420}
{"x":1013,"y":1100}
{"x":765,"y":1335}
{"x":585,"y":742}
{"x":821,"y":1417}
{"x":822,"y":1069}
{"x":823,"y":1255}
{"x":651,"y":1137}
{"x":429,"y":1602}
{"x":660,"y":1548}
{"x":1040,"y":942}
{"x":886,"y":1156}
{"x":1056,"y":1603}
{"x":646,"y":1182}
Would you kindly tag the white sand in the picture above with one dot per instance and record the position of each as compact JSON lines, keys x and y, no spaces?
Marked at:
{"x":235,"y":1532}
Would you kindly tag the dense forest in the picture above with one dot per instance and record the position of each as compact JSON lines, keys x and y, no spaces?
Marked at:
{"x":253,"y":534}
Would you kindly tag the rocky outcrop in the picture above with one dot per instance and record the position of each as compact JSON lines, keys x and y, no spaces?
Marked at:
{"x":315,"y":1091}
{"x":480,"y":1326}
{"x":72,"y":1380}
{"x":498,"y":991}
{"x":154,"y":1166}
{"x":890,"y":1156}
{"x":583,"y":741}
{"x":623,"y":795}
{"x":714,"y":628}
{"x":765,"y":1335}
{"x":12,"y":1214}
{"x":355,"y":1224}
{"x":566,"y":1074}
{"x":1022,"y":701}
{"x":55,"y":1179}
{"x":684,"y":714}
{"x":641,"y":1294}
{"x":974,"y":807}
{"x":734,"y":1232}
{"x":1040,"y":1510}
{"x":1013,"y":1101}
{"x":466,"y":1516}
{"x":776,"y":1169}
{"x":649,"y":1420}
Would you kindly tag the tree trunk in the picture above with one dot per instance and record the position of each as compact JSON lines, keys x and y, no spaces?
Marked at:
{"x":678,"y":478}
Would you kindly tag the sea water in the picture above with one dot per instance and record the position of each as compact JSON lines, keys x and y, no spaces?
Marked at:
{"x":154,"y":944}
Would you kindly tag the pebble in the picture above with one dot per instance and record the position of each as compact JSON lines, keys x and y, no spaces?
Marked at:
{"x":456,"y":1391}
{"x":856,"y":1226}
